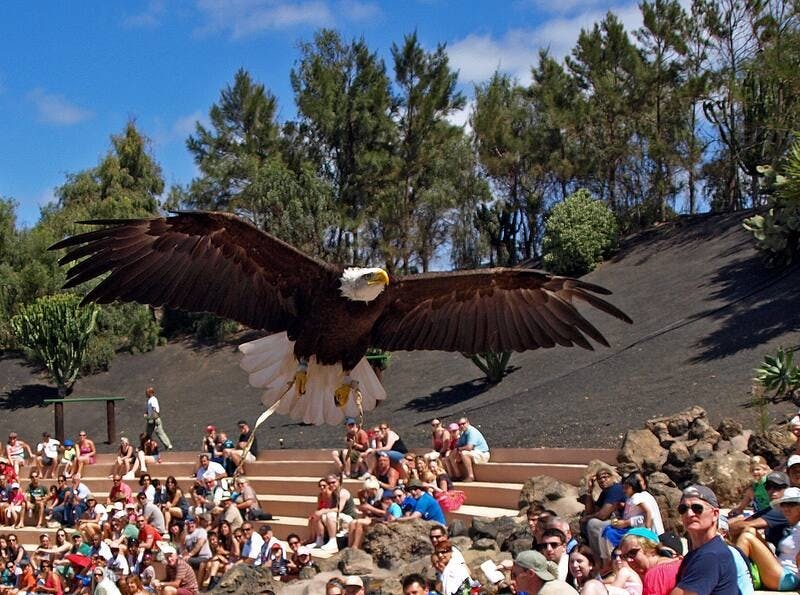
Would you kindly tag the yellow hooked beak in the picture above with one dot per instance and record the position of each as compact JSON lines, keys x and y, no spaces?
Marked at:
{"x":379,"y":277}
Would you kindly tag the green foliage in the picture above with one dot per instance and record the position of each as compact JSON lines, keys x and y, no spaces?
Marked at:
{"x":55,"y":331}
{"x":493,"y":365}
{"x":208,"y":327}
{"x":777,"y":232}
{"x":578,"y":233}
{"x":779,"y":373}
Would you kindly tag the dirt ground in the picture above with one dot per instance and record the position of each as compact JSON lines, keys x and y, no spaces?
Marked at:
{"x":705,"y":308}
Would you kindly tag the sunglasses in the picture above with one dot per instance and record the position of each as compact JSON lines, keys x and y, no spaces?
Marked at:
{"x":631,"y":554}
{"x":774,"y":486}
{"x":696,"y":508}
{"x":616,"y":556}
{"x":547,"y":545}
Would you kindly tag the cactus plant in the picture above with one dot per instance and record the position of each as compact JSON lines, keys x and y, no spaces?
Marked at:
{"x":779,"y":373}
{"x":56,"y":329}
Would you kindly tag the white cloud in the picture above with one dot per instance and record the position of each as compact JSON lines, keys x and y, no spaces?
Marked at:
{"x":56,"y":109}
{"x":244,"y":18}
{"x":148,"y":18}
{"x":185,"y":125}
{"x":354,"y":10}
{"x":461,"y":117}
{"x":478,"y":56}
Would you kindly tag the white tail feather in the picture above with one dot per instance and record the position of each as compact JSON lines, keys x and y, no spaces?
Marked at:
{"x":271,"y":365}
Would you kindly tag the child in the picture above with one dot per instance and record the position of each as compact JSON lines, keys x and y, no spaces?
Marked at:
{"x":68,"y":457}
{"x":754,"y":496}
{"x":15,"y":513}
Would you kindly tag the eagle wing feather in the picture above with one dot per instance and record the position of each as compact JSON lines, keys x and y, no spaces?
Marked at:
{"x":499,"y":309}
{"x":195,"y":261}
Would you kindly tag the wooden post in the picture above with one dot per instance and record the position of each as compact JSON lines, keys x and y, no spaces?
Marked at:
{"x":111,"y":421}
{"x":59,"y":420}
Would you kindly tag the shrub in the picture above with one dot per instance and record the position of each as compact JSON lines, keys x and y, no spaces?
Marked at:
{"x":578,"y":233}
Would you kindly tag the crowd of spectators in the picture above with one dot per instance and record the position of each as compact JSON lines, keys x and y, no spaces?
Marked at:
{"x":199,"y":527}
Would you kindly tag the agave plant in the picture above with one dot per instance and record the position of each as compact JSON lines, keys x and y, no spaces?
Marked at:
{"x":779,"y":373}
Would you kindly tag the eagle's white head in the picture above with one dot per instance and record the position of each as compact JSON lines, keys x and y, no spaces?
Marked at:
{"x":363,"y":285}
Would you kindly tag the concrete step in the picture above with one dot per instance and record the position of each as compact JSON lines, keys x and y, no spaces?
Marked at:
{"x":521,"y":472}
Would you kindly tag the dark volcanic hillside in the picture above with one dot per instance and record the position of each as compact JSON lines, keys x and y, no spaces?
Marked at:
{"x":705,"y":309}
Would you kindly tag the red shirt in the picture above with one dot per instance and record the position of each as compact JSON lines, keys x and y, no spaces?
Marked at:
{"x":146,"y":531}
{"x":121,"y":492}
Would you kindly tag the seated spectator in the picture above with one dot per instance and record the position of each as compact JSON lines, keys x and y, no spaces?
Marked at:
{"x":16,"y":450}
{"x":236,"y":454}
{"x":86,"y":452}
{"x":230,"y":514}
{"x":440,"y":439}
{"x":324,"y":500}
{"x":425,"y":506}
{"x":388,"y":441}
{"x":771,"y":520}
{"x":294,"y":543}
{"x":251,"y":545}
{"x":383,"y":472}
{"x":415,"y":584}
{"x":176,"y":505}
{"x":655,"y":566}
{"x":92,"y":519}
{"x":778,"y":571}
{"x":357,"y":444}
{"x":146,"y":454}
{"x":341,"y":512}
{"x":794,"y":428}
{"x":754,"y":496}
{"x":37,"y":496}
{"x":553,"y":546}
{"x":148,"y":536}
{"x":247,"y":501}
{"x":453,"y":574}
{"x":372,"y":509}
{"x":210,"y":440}
{"x":126,"y":457}
{"x":223,"y":556}
{"x":47,"y":455}
{"x":196,"y":549}
{"x":15,"y":511}
{"x":118,"y":563}
{"x":441,"y":479}
{"x":151,"y":512}
{"x":622,"y":580}
{"x":207,"y":469}
{"x":641,"y":510}
{"x":585,"y":572}
{"x":471,"y":448}
{"x":180,"y":578}
{"x":119,"y":492}
{"x":597,"y":515}
{"x":69,"y":458}
{"x":531,"y":574}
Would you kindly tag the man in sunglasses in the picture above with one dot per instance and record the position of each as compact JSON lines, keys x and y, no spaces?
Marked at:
{"x":771,"y":520}
{"x":709,"y":567}
{"x":553,"y":547}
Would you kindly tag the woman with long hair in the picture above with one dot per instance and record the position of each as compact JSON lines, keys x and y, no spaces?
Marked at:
{"x":584,"y":573}
{"x":176,"y":506}
{"x":86,"y":452}
{"x":125,"y":458}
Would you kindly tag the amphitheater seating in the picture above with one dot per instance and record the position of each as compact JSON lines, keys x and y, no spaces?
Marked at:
{"x":286,"y":481}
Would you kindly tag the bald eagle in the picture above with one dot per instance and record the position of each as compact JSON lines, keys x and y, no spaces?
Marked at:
{"x":322,"y":318}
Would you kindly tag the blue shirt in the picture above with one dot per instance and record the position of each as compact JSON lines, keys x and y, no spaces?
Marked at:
{"x":709,"y":569}
{"x":473,"y":437}
{"x":429,"y":508}
{"x":393,"y":512}
{"x":613,"y":494}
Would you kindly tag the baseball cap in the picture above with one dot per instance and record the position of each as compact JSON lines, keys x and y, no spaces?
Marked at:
{"x":790,"y":495}
{"x":382,"y":454}
{"x":387,"y":495}
{"x":304,"y":550}
{"x":703,"y":493}
{"x":778,"y":478}
{"x":793,"y":460}
{"x":452,"y":427}
{"x":414,"y":483}
{"x":795,"y":421}
{"x":15,"y":485}
{"x":166,"y":548}
{"x":533,"y":560}
{"x":353,"y":581}
{"x":349,"y":421}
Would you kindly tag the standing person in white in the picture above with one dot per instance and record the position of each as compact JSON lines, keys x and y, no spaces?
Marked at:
{"x":153,"y":417}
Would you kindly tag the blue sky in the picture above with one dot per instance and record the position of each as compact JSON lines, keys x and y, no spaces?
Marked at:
{"x":73,"y":73}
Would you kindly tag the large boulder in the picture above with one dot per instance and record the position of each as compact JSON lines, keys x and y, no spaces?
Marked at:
{"x":702,"y":431}
{"x":392,"y":545}
{"x":244,"y":580}
{"x":728,"y":428}
{"x":677,"y":425}
{"x":642,"y":448}
{"x":668,"y":496}
{"x":774,"y":444}
{"x":503,"y":530}
{"x":553,"y":494}
{"x":355,"y":561}
{"x":727,"y":474}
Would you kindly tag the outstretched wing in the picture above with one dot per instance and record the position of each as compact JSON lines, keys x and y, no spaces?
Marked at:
{"x":495,"y":310}
{"x":195,"y":261}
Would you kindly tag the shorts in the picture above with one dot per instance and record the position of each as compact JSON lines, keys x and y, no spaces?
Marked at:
{"x":47,"y":461}
{"x":789,"y":581}
{"x":184,"y":591}
{"x":395,"y":456}
{"x":195,"y":561}
{"x":250,"y":458}
{"x":476,"y":456}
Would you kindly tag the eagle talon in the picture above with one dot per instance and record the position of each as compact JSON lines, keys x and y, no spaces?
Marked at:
{"x":301,"y":378}
{"x":342,"y":394}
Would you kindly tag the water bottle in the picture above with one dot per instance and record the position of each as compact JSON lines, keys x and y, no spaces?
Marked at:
{"x":476,"y":588}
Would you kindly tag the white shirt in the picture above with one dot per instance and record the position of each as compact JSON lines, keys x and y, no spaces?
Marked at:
{"x":50,"y":448}
{"x":646,"y":501}
{"x":788,"y":547}
{"x":252,"y":547}
{"x":152,"y":406}
{"x":214,"y":470}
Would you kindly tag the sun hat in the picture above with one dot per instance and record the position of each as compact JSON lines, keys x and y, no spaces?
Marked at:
{"x":353,"y":581}
{"x":703,"y":493}
{"x":790,"y":496}
{"x":533,"y":560}
{"x":793,"y":460}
